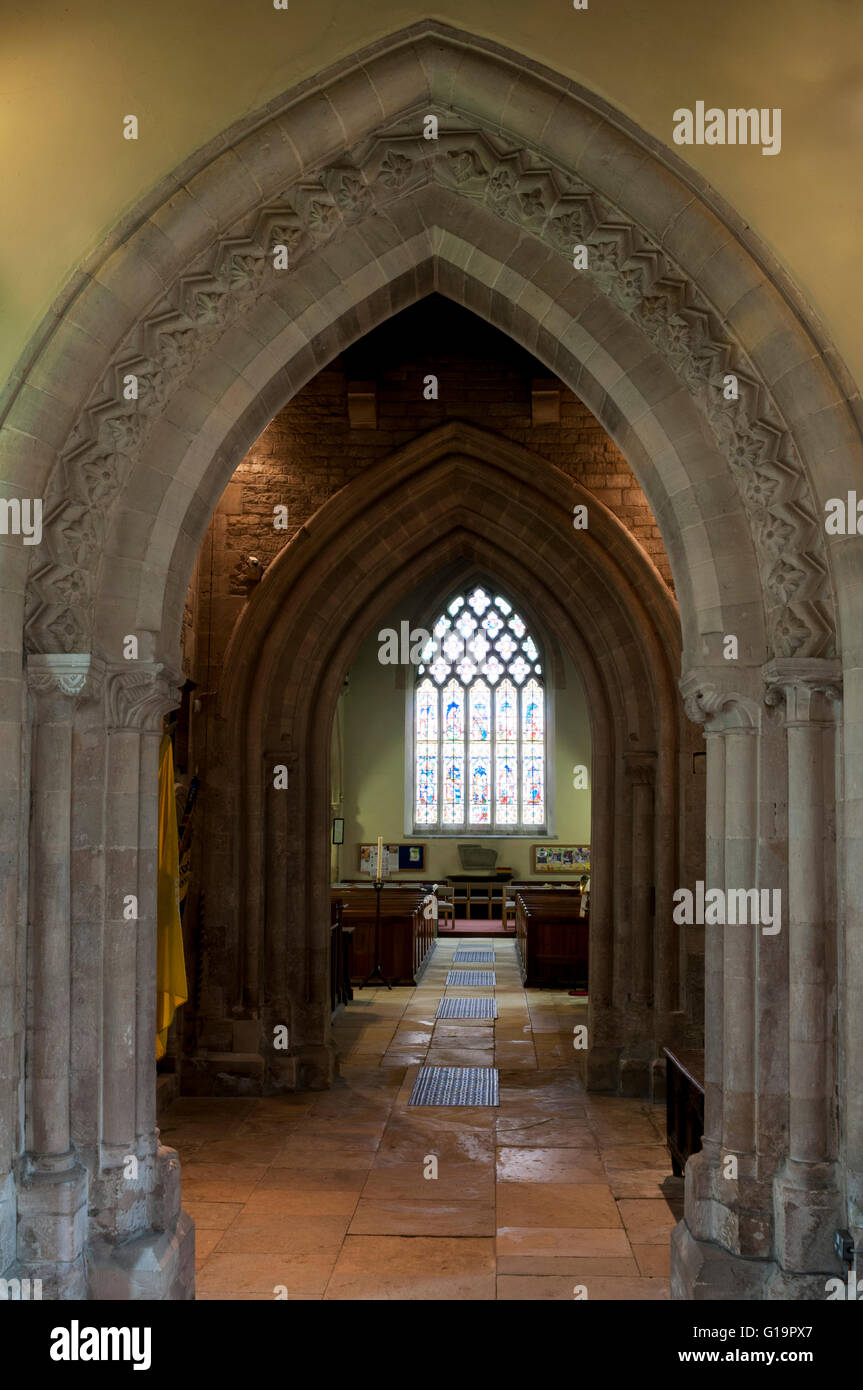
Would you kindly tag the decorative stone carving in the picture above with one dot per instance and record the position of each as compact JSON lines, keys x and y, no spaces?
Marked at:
{"x":247,"y":572}
{"x":75,"y":674}
{"x":517,"y":184}
{"x":710,"y":701}
{"x":140,"y":696}
{"x":799,"y":684}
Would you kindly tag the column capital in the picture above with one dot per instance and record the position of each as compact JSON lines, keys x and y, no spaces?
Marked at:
{"x":809,"y":687}
{"x":140,"y":694}
{"x":723,"y":701}
{"x":73,"y":675}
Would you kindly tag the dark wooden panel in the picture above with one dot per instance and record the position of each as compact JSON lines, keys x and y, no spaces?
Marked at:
{"x":684,"y":1105}
{"x":406,"y":933}
{"x":552,"y":937}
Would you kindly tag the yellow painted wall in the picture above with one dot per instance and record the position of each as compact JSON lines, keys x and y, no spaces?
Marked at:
{"x":374,"y":770}
{"x":70,"y":72}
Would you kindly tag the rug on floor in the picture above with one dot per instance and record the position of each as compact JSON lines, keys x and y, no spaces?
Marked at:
{"x":455,"y":1086}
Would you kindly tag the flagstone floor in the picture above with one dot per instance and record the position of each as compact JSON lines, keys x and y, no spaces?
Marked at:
{"x":324,"y":1195}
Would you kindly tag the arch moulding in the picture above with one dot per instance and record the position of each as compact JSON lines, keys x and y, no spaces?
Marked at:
{"x":456,"y":497}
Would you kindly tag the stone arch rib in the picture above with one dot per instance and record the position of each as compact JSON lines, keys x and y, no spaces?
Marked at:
{"x":367,"y":546}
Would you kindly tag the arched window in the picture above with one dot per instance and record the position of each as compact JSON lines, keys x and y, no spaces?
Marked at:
{"x":480,"y":752}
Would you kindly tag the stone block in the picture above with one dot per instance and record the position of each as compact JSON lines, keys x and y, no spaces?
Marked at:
{"x":247,"y":1035}
{"x":52,"y":1217}
{"x":157,"y":1266}
{"x":703,"y":1271}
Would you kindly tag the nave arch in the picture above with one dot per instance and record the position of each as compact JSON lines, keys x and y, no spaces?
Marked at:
{"x":184,"y":299}
{"x":454,"y":500}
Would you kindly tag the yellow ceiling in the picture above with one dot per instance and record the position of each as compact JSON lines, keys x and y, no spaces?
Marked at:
{"x":189,"y":68}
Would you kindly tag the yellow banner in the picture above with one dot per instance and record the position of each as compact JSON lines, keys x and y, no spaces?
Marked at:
{"x":171,"y":987}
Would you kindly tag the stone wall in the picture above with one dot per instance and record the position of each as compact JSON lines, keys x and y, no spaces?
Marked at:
{"x":310,"y":451}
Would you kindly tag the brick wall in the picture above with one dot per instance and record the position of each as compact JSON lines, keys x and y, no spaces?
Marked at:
{"x":310,"y":451}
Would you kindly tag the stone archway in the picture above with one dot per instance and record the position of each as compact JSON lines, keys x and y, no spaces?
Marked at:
{"x":456,"y":496}
{"x":185,"y":301}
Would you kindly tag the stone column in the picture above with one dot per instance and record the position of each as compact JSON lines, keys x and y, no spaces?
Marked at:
{"x":720,"y":1249}
{"x":52,"y":1195}
{"x":603,"y":1059}
{"x":808,"y":1199}
{"x":714,"y":978}
{"x":140,"y":1243}
{"x":739,"y":963}
{"x":635,"y":1067}
{"x":281,"y":1065}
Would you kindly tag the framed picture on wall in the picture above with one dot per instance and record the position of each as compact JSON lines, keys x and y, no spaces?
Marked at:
{"x":561,"y":859}
{"x":398,"y":859}
{"x":338,"y":830}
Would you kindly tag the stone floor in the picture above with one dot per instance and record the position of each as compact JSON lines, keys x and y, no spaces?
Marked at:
{"x":324,"y":1196}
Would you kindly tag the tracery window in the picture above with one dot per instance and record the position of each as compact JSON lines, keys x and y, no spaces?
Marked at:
{"x":480,"y":740}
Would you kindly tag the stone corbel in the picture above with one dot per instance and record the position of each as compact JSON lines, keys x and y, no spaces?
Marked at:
{"x":809,"y":687}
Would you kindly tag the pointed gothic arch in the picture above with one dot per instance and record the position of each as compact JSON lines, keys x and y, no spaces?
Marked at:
{"x":678,"y":297}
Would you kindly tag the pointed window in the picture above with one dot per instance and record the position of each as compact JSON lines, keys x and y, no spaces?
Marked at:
{"x":480,"y":738}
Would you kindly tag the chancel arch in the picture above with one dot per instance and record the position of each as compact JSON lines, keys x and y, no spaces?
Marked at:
{"x":676,"y":298}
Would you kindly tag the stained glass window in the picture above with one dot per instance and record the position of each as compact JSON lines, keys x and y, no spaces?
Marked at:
{"x":427,"y":740}
{"x":480,"y":744}
{"x":453,"y":754}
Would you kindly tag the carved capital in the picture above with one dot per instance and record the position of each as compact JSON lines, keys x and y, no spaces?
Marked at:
{"x":140,"y":695}
{"x":709,"y":698}
{"x":809,"y":688}
{"x":64,"y":677}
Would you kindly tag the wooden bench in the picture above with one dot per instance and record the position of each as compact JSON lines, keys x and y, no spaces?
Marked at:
{"x":684,"y":1104}
{"x":551,"y":937}
{"x":340,"y":979}
{"x":407,"y":933}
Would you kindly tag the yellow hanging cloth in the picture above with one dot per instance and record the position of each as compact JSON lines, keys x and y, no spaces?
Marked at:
{"x":171,"y":987}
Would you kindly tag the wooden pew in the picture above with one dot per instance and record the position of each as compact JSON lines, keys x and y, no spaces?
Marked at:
{"x":684,"y":1104}
{"x":407,"y":933}
{"x":340,"y":982}
{"x":551,"y":936}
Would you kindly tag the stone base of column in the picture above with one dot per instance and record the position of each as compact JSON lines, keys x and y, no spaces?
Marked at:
{"x":637,"y":1077}
{"x":658,"y":1080}
{"x":8,"y":1222}
{"x":281,"y":1074}
{"x":735,"y":1213}
{"x":119,"y":1192}
{"x":317,"y":1066}
{"x":702,"y":1271}
{"x":791,"y":1285}
{"x":305,"y":1068}
{"x":603,"y":1069}
{"x":52,"y":1230}
{"x":156,"y":1266}
{"x":634,"y":1077}
{"x":808,"y":1209}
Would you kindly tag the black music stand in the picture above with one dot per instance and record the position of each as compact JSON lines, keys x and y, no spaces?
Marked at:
{"x":378,"y":969}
